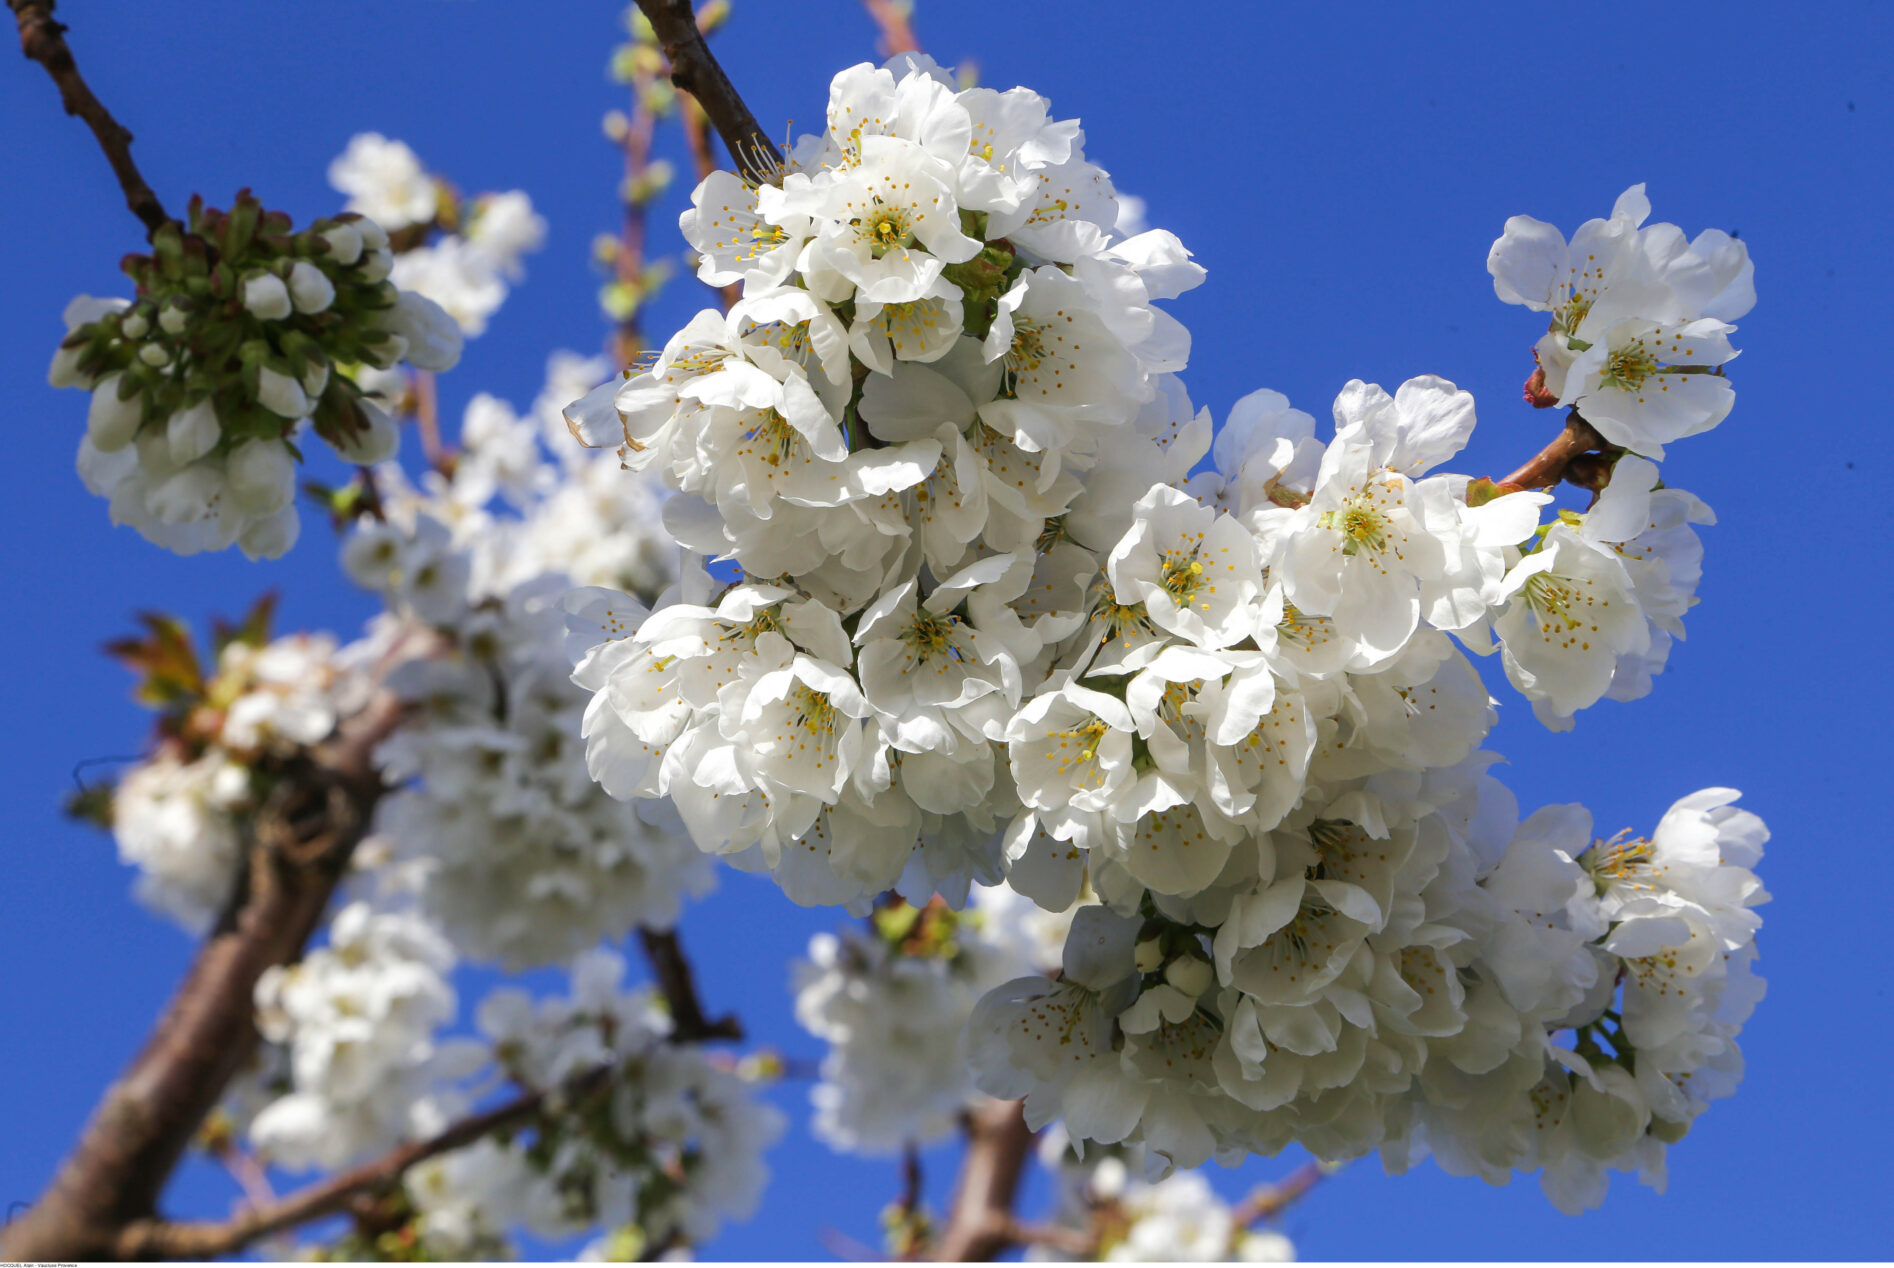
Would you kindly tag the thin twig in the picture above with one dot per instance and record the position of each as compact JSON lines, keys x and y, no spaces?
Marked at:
{"x":1270,"y":1200}
{"x":44,"y":40}
{"x":427,"y":420}
{"x":897,"y":31}
{"x":157,"y":1239}
{"x":678,"y":984}
{"x":695,"y":71}
{"x":1069,"y":1241}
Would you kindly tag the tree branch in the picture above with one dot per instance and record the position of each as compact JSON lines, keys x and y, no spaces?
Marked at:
{"x":695,"y":71}
{"x":678,"y":984}
{"x":157,"y":1239}
{"x":982,"y":1224}
{"x":43,"y":40}
{"x":1270,"y":1200}
{"x":303,"y":836}
{"x":897,"y":28}
{"x":1547,"y":467}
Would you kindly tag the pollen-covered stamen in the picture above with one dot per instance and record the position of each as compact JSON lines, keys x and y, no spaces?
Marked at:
{"x":908,"y":323}
{"x":1305,"y":631}
{"x":1562,"y":609}
{"x":1129,"y":622}
{"x":813,"y":711}
{"x":697,"y":362}
{"x":884,"y":227}
{"x":938,"y":638}
{"x":1025,"y":356}
{"x":771,"y":439}
{"x":1624,"y":861}
{"x":1182,"y":572}
{"x":1627,"y":367}
{"x":761,"y":239}
{"x":1076,"y":754}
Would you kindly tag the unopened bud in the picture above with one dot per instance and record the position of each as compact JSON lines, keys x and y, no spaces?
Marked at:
{"x":266,"y":298}
{"x":135,"y":326}
{"x":1536,"y":394}
{"x":310,"y":288}
{"x":344,"y":242}
{"x":110,"y":422}
{"x":155,"y":355}
{"x":377,"y":264}
{"x":1149,"y":955}
{"x":376,"y":442}
{"x":173,"y":319}
{"x":1190,"y":975}
{"x":280,"y":394}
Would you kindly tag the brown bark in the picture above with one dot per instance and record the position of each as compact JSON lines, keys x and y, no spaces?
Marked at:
{"x":695,"y":71}
{"x":44,"y":40}
{"x":678,"y":984}
{"x":1547,"y":467}
{"x":303,"y":837}
{"x":157,"y":1239}
{"x":981,"y":1225}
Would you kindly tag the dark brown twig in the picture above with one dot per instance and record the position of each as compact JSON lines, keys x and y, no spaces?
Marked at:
{"x":678,"y":984}
{"x":695,"y":71}
{"x":157,"y":1239}
{"x":44,"y":40}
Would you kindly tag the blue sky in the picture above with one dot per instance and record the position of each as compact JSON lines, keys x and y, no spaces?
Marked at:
{"x":1340,"y":170}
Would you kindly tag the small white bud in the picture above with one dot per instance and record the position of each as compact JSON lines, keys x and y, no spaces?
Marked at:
{"x":155,"y":355}
{"x":192,"y":433}
{"x":173,"y":320}
{"x":1190,"y":975}
{"x":64,"y":371}
{"x":310,"y":288}
{"x":266,"y":297}
{"x":135,"y":326}
{"x":375,"y":444}
{"x":280,"y":394}
{"x":374,"y":237}
{"x":110,"y":422}
{"x":315,"y":378}
{"x":377,"y":264}
{"x":345,"y":243}
{"x":387,"y":351}
{"x":1150,"y":954}
{"x":262,"y":477}
{"x":434,"y":338}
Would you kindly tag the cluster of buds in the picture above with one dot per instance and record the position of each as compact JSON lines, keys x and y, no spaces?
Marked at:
{"x":241,"y":336}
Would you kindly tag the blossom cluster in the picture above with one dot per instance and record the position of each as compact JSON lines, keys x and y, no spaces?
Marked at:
{"x":892,"y":1003}
{"x":1124,"y":1219}
{"x":466,"y":269}
{"x":238,"y":343}
{"x":519,"y":856}
{"x":670,"y":1142}
{"x":357,"y":1020}
{"x":986,"y":621}
{"x":178,"y":815}
{"x":1640,"y":319}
